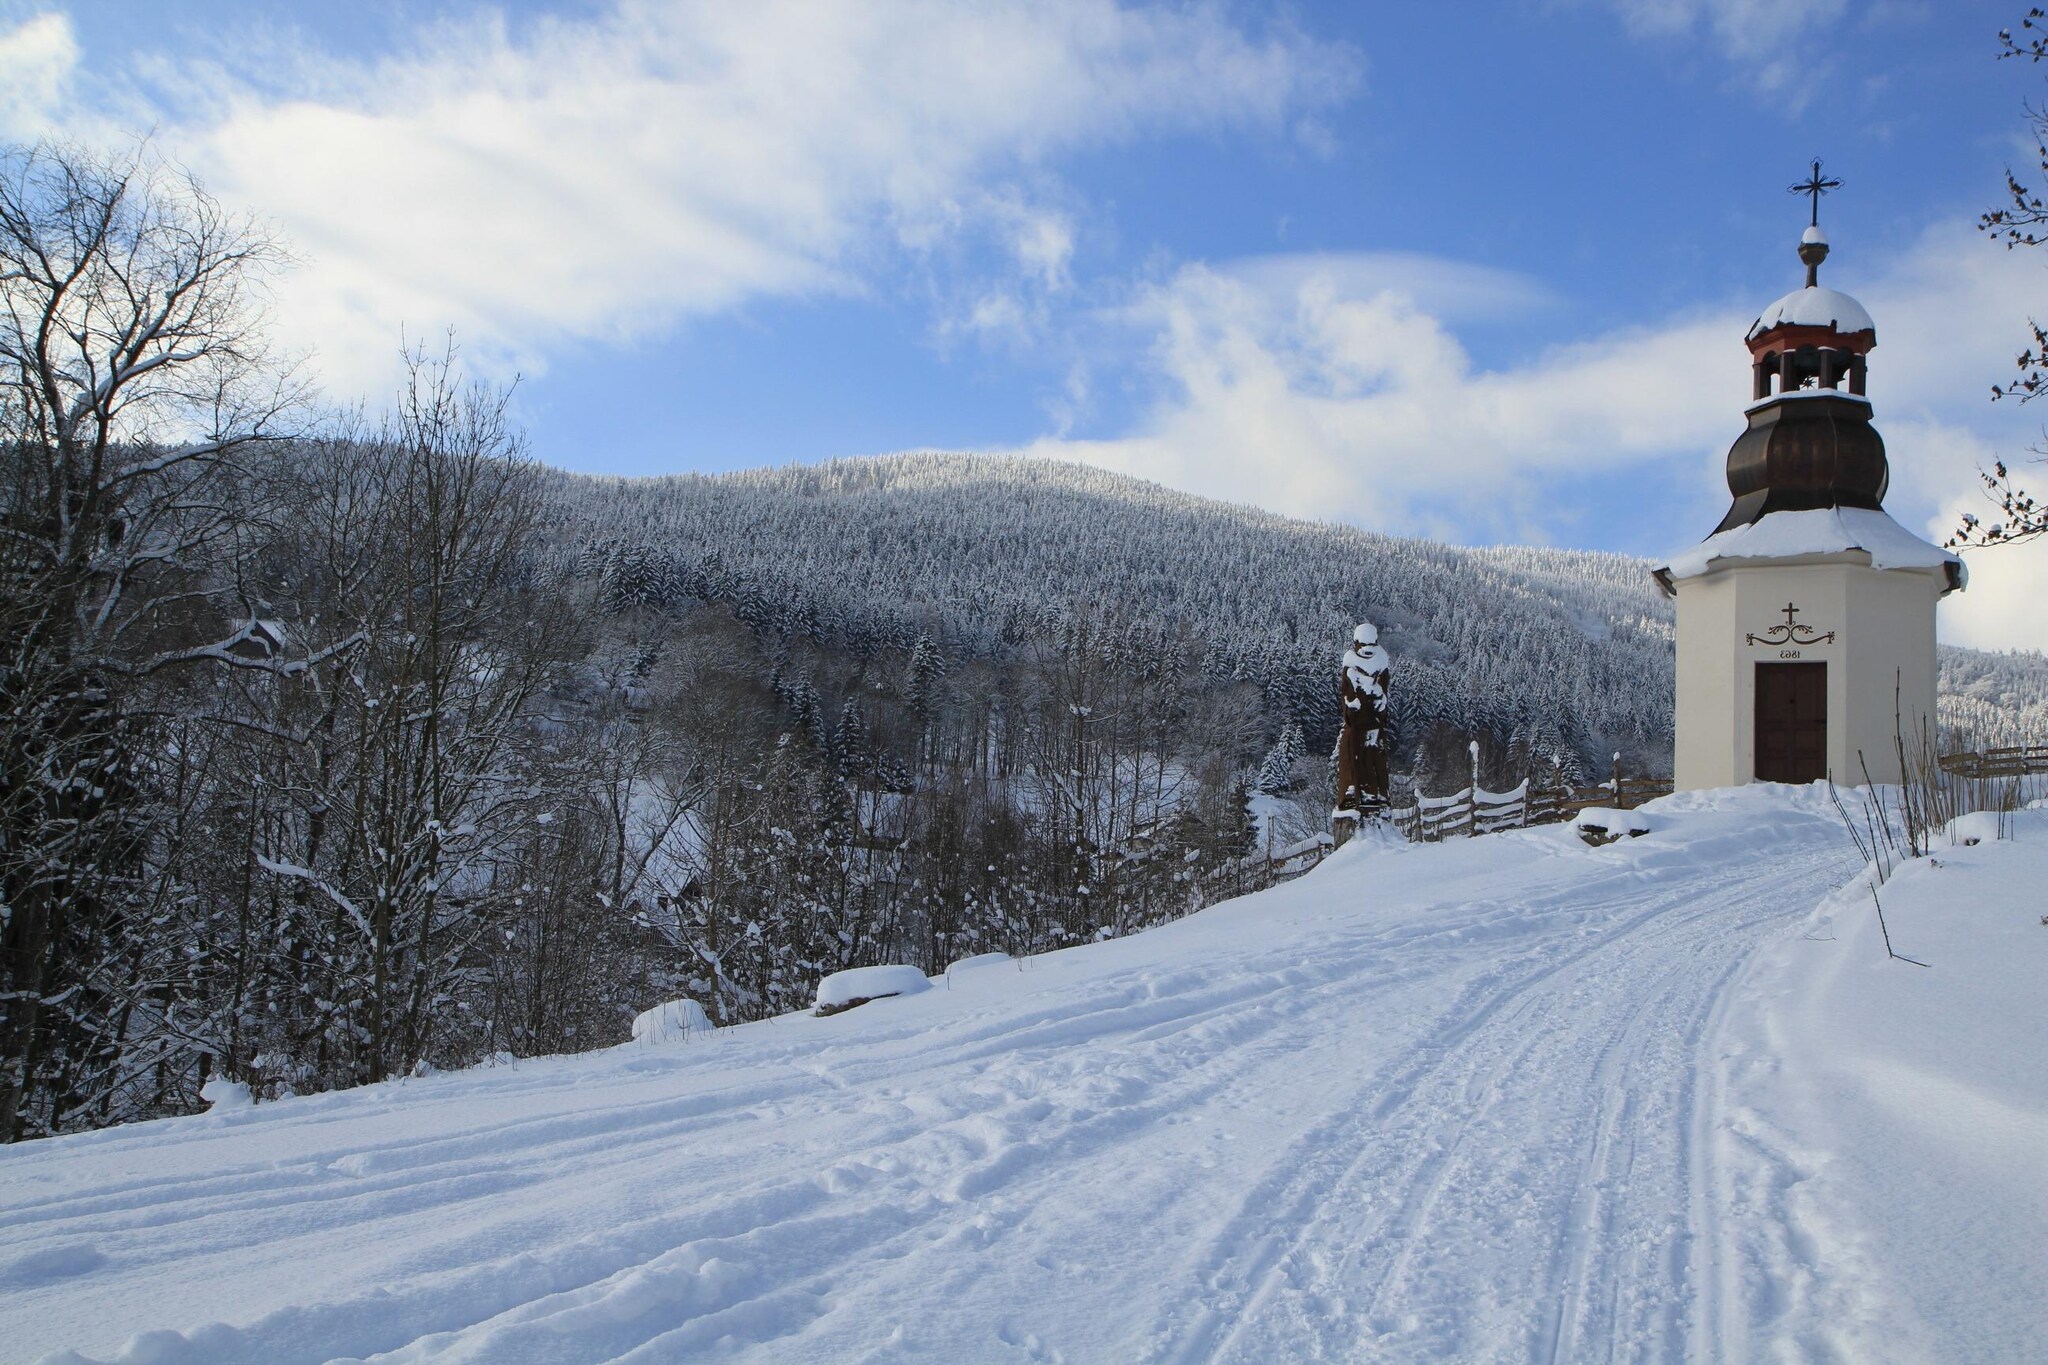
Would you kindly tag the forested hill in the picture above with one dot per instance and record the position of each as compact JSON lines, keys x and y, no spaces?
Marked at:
{"x":985,"y":554}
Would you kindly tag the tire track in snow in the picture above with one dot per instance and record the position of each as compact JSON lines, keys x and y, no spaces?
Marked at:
{"x":1484,"y":1042}
{"x":1308,"y":1173}
{"x":1300,"y":993}
{"x":1141,"y":1025}
{"x":1562,"y":1172}
{"x":616,"y":1267}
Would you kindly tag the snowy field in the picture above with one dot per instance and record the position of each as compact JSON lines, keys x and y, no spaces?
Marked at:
{"x":1511,"y":1098}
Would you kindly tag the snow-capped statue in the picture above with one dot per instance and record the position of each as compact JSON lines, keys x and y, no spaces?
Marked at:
{"x":1362,"y":745}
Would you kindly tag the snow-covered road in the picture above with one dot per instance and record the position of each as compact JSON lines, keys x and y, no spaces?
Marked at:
{"x":1455,"y":1102}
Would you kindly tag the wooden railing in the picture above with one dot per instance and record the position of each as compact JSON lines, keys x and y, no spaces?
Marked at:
{"x":1997,"y":779}
{"x":1475,"y":810}
{"x":1290,"y":861}
{"x":1562,"y":803}
{"x":2018,"y":760}
{"x":1479,"y":811}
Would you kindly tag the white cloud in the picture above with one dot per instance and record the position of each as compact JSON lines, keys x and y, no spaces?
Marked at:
{"x":1776,"y":44}
{"x":1013,"y":302}
{"x":37,"y":57}
{"x":1313,"y":392}
{"x":603,"y":178}
{"x":1452,"y":291}
{"x":1950,"y":318}
{"x":1742,"y":28}
{"x":1312,"y":386}
{"x":2002,"y":608}
{"x":1042,"y":241}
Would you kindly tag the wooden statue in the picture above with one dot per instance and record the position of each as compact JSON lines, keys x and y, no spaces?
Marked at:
{"x":1362,"y":746}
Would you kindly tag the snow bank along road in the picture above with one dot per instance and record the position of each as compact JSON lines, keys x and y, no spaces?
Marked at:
{"x":1511,"y":1098}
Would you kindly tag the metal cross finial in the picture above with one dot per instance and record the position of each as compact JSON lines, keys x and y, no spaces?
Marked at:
{"x":1813,"y":187}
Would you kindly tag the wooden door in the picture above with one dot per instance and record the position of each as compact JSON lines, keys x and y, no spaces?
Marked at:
{"x":1791,"y":722}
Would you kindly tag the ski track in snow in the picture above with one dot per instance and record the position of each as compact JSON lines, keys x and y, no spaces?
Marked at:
{"x":1436,"y":1103}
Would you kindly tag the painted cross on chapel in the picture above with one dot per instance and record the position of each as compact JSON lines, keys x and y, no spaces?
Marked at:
{"x":1793,"y":632}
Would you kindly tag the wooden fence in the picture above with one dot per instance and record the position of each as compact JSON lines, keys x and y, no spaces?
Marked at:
{"x":1479,"y":811}
{"x":1997,"y":779}
{"x":1476,"y":810}
{"x":2018,"y":760}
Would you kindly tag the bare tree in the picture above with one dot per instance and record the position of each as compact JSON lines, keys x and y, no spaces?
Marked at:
{"x":410,"y":763}
{"x":2021,"y":221}
{"x":133,"y":372}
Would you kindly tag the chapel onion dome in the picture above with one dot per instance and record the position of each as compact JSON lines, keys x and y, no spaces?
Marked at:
{"x":1810,"y":443}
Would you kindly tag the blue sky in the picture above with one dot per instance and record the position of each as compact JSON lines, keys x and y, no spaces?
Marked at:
{"x":1479,"y":272}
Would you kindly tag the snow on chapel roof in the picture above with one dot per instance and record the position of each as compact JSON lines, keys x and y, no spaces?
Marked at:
{"x":1821,"y":531}
{"x":1814,"y":306}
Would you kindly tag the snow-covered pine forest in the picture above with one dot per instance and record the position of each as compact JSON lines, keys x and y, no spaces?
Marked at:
{"x":1553,"y":654}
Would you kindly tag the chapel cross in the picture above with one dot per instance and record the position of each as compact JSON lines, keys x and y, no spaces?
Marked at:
{"x":1813,"y":187}
{"x":1793,"y":632}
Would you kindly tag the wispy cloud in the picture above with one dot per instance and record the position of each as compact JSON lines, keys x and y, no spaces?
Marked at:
{"x":556,"y":180}
{"x":1774,"y":44}
{"x":1449,"y":290}
{"x":37,"y":56}
{"x":1338,"y":388}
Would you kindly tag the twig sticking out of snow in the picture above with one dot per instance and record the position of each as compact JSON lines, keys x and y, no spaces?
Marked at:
{"x":1873,"y":839}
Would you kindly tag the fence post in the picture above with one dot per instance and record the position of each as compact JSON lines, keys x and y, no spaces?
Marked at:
{"x":1472,"y":818}
{"x":1619,"y":804}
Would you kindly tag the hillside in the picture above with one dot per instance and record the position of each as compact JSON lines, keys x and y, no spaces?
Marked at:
{"x":1507,"y":1098}
{"x":985,"y":553}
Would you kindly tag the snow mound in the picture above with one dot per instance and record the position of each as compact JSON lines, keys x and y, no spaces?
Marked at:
{"x":1598,"y":825}
{"x":672,"y":1022}
{"x":222,"y":1094}
{"x":1902,"y":1110}
{"x":858,"y":985}
{"x":1978,"y":827}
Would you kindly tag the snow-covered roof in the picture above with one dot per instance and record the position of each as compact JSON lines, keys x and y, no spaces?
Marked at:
{"x":1822,"y":531}
{"x":1809,"y":393}
{"x":1814,"y":306}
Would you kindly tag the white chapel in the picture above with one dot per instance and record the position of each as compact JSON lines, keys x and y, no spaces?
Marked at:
{"x":1806,"y":620}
